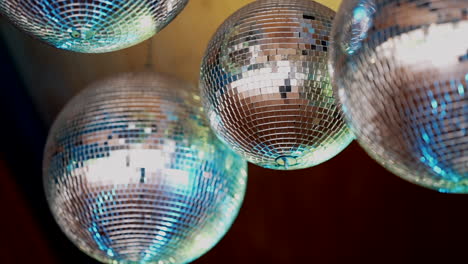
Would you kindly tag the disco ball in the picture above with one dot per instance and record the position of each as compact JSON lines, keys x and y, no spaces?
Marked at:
{"x":133,"y":174}
{"x":401,"y":73}
{"x":266,"y":88}
{"x":92,"y":26}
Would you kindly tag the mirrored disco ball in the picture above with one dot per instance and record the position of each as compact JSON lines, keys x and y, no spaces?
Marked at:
{"x":265,"y":85}
{"x":92,"y":26}
{"x":133,"y":174}
{"x":401,"y":73}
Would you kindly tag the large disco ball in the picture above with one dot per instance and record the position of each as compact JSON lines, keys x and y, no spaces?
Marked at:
{"x":401,"y":73}
{"x":133,"y":174}
{"x":92,"y":26}
{"x":266,"y":88}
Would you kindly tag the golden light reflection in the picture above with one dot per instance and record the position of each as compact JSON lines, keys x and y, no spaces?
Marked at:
{"x":184,"y":41}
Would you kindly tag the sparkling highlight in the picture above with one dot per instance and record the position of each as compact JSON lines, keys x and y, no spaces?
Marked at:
{"x":93,"y":26}
{"x":266,"y":89}
{"x":404,"y":87}
{"x":133,"y":174}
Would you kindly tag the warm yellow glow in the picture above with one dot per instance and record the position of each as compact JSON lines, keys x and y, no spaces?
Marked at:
{"x":184,"y":41}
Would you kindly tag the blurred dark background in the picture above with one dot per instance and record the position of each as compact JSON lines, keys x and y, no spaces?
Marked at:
{"x":348,"y":210}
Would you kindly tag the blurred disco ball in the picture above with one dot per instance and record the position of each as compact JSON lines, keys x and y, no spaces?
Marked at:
{"x":133,"y":174}
{"x":265,"y":85}
{"x":92,"y":26}
{"x":401,"y":73}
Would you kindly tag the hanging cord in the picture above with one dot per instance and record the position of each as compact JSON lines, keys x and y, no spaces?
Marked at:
{"x":149,"y":65}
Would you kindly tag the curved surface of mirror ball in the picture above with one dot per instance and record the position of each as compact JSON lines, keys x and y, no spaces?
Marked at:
{"x":94,"y":26}
{"x":400,"y":69}
{"x":266,"y":88}
{"x":133,"y":174}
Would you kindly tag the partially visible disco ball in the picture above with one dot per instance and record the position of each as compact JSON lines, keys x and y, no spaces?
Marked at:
{"x":266,"y":88}
{"x":92,"y":26}
{"x":401,"y":73}
{"x":133,"y":174}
